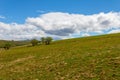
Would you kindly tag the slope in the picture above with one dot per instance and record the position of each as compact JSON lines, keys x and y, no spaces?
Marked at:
{"x":89,"y":58}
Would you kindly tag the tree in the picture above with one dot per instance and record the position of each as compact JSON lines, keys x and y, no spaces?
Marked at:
{"x":34,"y":42}
{"x":7,"y":46}
{"x":43,"y":40}
{"x":48,"y":40}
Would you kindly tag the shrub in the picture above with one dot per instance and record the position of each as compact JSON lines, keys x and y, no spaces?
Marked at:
{"x":34,"y":42}
{"x":48,"y":40}
{"x":7,"y":46}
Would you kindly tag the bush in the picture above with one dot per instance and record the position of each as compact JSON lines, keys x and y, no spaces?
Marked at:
{"x":7,"y":46}
{"x":34,"y":42}
{"x":48,"y":40}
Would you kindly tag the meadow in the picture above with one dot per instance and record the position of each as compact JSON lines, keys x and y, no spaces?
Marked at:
{"x":88,"y":58}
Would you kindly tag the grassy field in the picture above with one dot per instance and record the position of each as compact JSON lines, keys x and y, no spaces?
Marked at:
{"x":90,"y":58}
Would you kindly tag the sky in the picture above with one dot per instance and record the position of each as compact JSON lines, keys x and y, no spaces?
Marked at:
{"x":60,"y":19}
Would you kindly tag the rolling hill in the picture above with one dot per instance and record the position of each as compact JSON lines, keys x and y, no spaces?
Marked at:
{"x":89,"y":58}
{"x":14,"y":43}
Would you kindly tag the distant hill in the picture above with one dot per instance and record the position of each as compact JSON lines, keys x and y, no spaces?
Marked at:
{"x":88,"y":58}
{"x":14,"y":43}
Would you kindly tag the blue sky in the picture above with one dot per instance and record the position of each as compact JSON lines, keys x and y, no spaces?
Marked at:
{"x":17,"y":13}
{"x":19,"y":10}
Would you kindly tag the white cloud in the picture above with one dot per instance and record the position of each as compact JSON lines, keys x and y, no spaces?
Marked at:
{"x":60,"y":25}
{"x":19,"y":31}
{"x":114,"y":31}
{"x":65,"y":24}
{"x":85,"y":34}
{"x":2,"y":17}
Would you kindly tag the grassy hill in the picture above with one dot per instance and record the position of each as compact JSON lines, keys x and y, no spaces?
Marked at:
{"x":14,"y":43}
{"x":90,"y":58}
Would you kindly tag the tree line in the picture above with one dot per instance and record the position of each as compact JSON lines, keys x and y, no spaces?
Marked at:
{"x":34,"y":42}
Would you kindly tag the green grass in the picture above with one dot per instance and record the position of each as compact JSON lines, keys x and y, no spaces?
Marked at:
{"x":90,"y":58}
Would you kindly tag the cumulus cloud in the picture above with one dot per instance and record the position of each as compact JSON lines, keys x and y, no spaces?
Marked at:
{"x":64,"y":24}
{"x":19,"y":31}
{"x":61,"y":25}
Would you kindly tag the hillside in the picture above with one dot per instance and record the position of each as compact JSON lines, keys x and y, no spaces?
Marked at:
{"x":89,"y":58}
{"x":14,"y":43}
